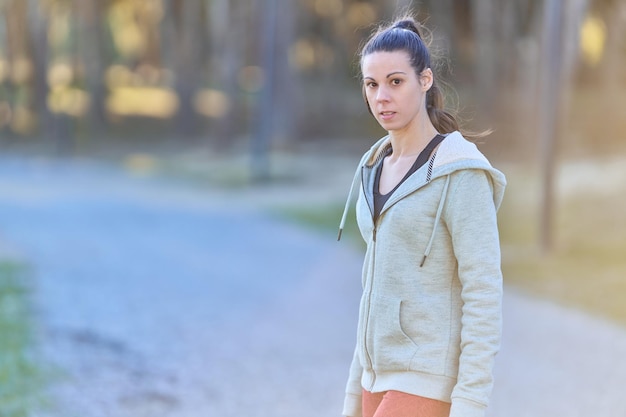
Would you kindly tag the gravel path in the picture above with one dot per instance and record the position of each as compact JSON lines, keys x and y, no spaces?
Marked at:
{"x":159,"y":300}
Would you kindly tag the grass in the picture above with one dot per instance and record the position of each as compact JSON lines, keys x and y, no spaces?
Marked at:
{"x":586,"y":267}
{"x":325,"y":218}
{"x":21,"y":378}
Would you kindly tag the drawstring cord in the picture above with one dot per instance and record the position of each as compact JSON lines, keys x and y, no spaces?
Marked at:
{"x":355,"y":182}
{"x":442,"y":201}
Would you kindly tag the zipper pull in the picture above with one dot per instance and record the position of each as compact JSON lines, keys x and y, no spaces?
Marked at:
{"x":374,"y":234}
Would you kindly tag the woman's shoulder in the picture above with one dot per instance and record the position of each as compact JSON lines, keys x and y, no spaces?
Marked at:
{"x":476,"y":182}
{"x":456,"y":148}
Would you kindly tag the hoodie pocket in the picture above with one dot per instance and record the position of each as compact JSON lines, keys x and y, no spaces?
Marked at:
{"x":389,"y":346}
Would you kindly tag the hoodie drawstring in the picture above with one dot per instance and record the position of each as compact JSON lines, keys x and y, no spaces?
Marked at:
{"x":355,"y":183}
{"x":442,"y":201}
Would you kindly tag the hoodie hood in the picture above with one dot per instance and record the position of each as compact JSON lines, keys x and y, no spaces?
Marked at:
{"x":453,"y":154}
{"x":456,"y":153}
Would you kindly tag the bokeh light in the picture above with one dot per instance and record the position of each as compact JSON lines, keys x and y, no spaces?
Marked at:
{"x":592,"y":40}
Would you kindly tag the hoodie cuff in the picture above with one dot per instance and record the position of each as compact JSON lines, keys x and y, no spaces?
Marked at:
{"x":352,"y":406}
{"x":466,"y":408}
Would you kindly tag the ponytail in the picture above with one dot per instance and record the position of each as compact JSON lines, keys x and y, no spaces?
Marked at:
{"x":442,"y":119}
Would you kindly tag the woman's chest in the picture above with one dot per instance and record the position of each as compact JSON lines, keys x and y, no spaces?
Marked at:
{"x":407,"y":209}
{"x":392,"y":173}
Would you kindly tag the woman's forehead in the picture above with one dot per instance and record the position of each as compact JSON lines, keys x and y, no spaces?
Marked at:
{"x":384,"y":62}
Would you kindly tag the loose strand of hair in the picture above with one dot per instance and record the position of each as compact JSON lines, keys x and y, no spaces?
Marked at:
{"x":446,"y":121}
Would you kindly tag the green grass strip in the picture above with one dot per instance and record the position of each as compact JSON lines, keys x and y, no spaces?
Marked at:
{"x":21,"y":378}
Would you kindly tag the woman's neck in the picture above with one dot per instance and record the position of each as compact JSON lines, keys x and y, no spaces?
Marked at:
{"x":411,"y":141}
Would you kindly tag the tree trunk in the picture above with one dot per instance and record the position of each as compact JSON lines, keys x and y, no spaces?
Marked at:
{"x":285,"y":99}
{"x":484,"y":18}
{"x":17,"y":51}
{"x":225,"y":34}
{"x":38,"y":25}
{"x":615,"y":57}
{"x":442,"y":12}
{"x":189,"y":61}
{"x":91,"y":49}
{"x":263,"y":125}
{"x":550,"y":110}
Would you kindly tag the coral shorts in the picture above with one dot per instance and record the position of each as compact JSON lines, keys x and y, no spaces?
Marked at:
{"x":400,"y":404}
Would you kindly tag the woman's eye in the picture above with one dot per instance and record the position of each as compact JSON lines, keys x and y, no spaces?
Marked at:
{"x":396,"y":81}
{"x":370,"y":85}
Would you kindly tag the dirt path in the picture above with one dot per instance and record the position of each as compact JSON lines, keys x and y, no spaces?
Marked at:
{"x":159,"y":300}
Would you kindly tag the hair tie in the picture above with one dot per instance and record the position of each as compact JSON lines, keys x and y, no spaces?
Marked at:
{"x":408,"y":26}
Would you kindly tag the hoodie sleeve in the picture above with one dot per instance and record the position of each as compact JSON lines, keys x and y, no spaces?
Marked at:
{"x":352,"y":401}
{"x":470,"y":215}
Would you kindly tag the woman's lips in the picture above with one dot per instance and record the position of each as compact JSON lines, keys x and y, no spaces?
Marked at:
{"x":387,"y":115}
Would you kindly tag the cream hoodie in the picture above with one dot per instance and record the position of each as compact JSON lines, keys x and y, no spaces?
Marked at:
{"x":430,"y":313}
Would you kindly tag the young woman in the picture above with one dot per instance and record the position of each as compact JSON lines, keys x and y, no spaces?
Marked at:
{"x":430,"y":314}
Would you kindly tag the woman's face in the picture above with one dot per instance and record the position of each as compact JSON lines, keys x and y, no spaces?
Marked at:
{"x":396,"y":95}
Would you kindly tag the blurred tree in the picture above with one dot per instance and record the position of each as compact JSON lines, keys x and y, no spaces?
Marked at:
{"x":615,"y":78}
{"x":597,"y":109}
{"x":92,"y":51}
{"x":287,"y":86}
{"x":486,"y":14}
{"x":444,"y":26}
{"x":615,"y":52}
{"x":62,"y":76}
{"x":18,"y":83}
{"x":200,"y":66}
{"x":37,"y":26}
{"x":224,"y":38}
{"x":189,"y":54}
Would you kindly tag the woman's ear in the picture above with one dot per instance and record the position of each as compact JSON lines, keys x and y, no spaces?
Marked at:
{"x":426,"y":79}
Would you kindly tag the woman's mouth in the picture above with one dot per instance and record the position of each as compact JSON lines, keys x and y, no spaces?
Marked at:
{"x":386,"y":115}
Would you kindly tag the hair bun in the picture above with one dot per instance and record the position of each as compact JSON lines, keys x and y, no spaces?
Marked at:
{"x":407,"y":24}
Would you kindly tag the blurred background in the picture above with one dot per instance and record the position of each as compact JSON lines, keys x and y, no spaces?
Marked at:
{"x":82,"y":74}
{"x":242,"y":100}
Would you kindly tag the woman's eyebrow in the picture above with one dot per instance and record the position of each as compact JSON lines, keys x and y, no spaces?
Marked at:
{"x":388,"y":75}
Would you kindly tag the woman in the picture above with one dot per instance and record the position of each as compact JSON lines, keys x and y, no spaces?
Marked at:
{"x":430,"y":314}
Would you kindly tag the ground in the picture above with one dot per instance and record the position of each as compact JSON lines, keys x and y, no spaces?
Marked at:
{"x":157,"y":298}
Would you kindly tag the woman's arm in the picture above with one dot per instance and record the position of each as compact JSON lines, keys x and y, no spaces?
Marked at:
{"x":471,"y":219}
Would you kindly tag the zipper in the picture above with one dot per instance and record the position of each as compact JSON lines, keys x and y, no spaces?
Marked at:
{"x":369,"y":286}
{"x":370,"y":283}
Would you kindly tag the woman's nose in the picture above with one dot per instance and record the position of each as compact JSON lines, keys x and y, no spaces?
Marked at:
{"x":382,"y":94}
